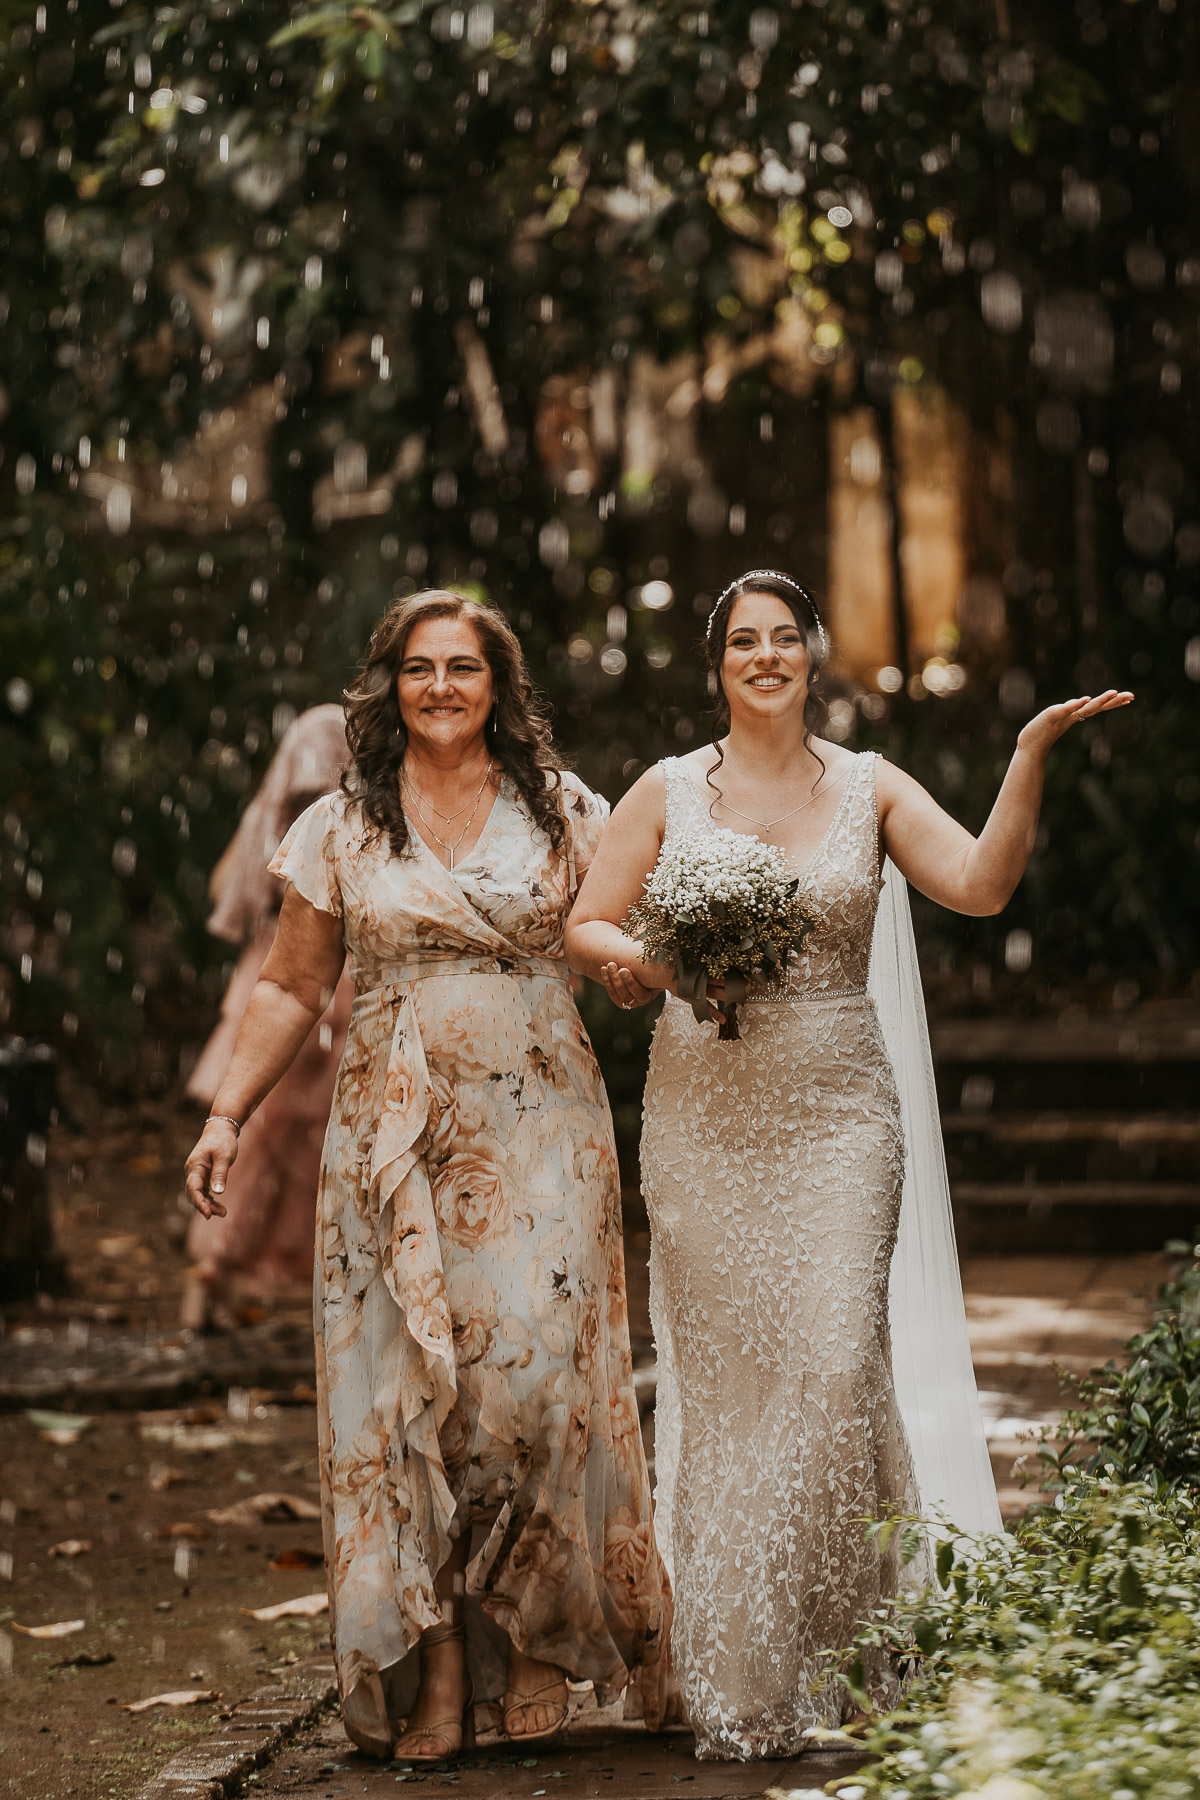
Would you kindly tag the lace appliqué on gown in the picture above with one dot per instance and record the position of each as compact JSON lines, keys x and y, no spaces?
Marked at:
{"x":772,"y":1170}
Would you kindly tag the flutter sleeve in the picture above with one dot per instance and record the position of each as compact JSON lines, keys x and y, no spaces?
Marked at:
{"x":309,"y":856}
{"x":587,"y":815}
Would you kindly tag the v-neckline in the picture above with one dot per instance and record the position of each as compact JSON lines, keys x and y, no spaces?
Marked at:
{"x":488,"y":824}
{"x":800,"y":871}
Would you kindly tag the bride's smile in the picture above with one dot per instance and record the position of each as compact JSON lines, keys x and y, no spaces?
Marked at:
{"x":765,"y":653}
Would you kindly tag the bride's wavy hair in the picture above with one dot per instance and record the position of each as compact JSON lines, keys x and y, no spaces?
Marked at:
{"x":517,"y":733}
{"x":803,"y":609}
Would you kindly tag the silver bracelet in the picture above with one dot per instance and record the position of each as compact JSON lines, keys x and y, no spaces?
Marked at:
{"x":224,"y":1119}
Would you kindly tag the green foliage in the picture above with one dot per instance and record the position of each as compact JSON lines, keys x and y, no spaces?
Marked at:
{"x":1140,"y":1421}
{"x":1063,"y":1661}
{"x":329,"y":214}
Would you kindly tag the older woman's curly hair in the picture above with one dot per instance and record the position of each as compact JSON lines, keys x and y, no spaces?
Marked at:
{"x":517,"y":733}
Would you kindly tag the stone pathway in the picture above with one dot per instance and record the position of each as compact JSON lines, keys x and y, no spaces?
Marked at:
{"x":596,"y":1758}
{"x":1036,"y":1319}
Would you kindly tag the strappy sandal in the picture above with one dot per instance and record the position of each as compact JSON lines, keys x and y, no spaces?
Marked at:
{"x":414,"y":1742}
{"x":517,"y":1700}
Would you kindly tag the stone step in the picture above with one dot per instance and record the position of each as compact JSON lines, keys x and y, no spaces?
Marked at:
{"x":1125,"y":1131}
{"x":1044,"y":1196}
{"x":1052,"y":1148}
{"x":1166,"y":1031}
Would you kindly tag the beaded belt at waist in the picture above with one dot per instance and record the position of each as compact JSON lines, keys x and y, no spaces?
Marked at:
{"x":798,"y":996}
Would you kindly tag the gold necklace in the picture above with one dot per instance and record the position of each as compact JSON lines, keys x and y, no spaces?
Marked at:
{"x":444,"y":843}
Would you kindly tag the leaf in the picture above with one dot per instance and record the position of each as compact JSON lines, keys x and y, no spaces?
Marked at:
{"x":305,"y":1606}
{"x":266,"y":1508}
{"x":925,"y":1636}
{"x":70,"y":1547}
{"x":318,"y":23}
{"x":72,"y":1423}
{"x":63,"y":1628}
{"x":1131,"y":1588}
{"x":297,"y":1559}
{"x":180,"y":1697}
{"x":945,"y":1562}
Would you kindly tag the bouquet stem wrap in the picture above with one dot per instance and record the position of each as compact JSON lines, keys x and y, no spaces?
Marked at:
{"x":720,"y":907}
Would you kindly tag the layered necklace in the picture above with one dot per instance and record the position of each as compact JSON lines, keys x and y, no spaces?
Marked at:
{"x":770,"y":824}
{"x":425,"y":806}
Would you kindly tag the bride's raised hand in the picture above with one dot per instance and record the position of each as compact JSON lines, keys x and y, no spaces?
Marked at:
{"x":1044,"y":731}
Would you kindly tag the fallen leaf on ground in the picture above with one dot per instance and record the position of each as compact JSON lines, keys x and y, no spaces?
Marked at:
{"x":70,"y":1423}
{"x":257,"y":1509}
{"x":306,"y":1606}
{"x":147,"y":1164}
{"x":63,"y":1628}
{"x":70,"y":1547}
{"x":188,"y":1437}
{"x":120,"y":1244}
{"x":297,"y":1559}
{"x":162,"y":1476}
{"x":821,"y":1734}
{"x":181,"y":1529}
{"x":85,"y":1659}
{"x":182,"y":1697}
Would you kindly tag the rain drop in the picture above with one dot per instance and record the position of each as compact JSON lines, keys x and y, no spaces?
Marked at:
{"x":124,"y":856}
{"x":1000,"y":302}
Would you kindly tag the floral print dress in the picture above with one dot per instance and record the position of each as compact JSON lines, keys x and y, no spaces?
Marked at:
{"x":473,"y":1360}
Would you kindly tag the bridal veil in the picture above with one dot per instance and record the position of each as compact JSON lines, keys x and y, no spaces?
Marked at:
{"x":931,"y":1353}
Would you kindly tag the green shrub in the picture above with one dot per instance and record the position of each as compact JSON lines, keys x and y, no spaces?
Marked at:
{"x":1062,"y":1661}
{"x":1141,"y":1421}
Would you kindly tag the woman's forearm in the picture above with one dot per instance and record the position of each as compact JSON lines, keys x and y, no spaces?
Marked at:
{"x":274,"y":1027}
{"x":595,"y":942}
{"x":998,"y":858}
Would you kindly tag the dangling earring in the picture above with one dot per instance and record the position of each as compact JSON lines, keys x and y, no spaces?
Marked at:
{"x":494,"y":717}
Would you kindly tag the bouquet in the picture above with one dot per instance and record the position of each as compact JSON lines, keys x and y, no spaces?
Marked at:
{"x":720,"y":906}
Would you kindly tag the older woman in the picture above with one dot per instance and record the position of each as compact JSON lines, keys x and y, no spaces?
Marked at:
{"x":480,"y":1453}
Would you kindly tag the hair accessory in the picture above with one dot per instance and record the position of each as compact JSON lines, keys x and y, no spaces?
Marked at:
{"x":765,"y":575}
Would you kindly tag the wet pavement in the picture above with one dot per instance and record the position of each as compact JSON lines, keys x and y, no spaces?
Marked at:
{"x":591,"y":1761}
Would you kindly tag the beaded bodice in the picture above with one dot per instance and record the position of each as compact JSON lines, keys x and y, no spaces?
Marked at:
{"x":840,"y":882}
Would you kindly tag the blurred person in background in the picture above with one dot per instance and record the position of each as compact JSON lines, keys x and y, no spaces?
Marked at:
{"x":264,"y":1242}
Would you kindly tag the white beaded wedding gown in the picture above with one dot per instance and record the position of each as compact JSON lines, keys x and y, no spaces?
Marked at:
{"x":773,"y":1169}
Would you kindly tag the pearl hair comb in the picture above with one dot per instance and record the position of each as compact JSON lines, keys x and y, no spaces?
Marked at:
{"x":772,"y":575}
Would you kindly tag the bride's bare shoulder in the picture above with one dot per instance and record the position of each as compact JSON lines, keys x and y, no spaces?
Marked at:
{"x":701,"y":762}
{"x":837,"y":759}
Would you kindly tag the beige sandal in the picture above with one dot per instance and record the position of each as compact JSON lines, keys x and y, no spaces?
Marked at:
{"x":414,"y":1741}
{"x":517,"y":1700}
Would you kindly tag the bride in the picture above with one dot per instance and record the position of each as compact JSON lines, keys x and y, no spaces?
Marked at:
{"x":797,"y":1399}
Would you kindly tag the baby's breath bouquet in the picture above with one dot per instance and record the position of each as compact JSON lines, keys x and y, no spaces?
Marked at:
{"x":720,"y":906}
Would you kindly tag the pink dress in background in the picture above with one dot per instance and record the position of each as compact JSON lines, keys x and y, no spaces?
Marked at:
{"x":266,"y":1238}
